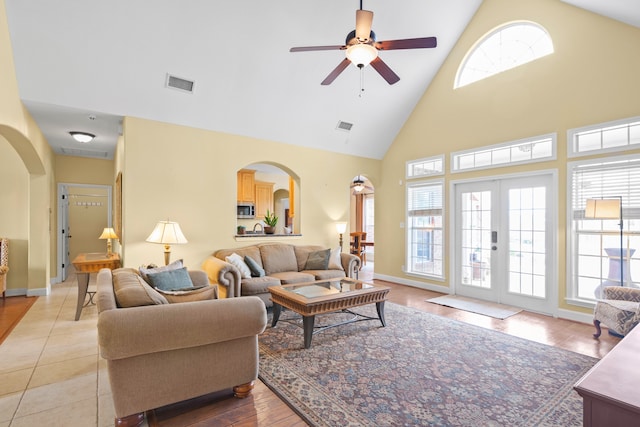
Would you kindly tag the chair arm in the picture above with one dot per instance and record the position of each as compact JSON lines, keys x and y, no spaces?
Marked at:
{"x":351,"y":264}
{"x":223,"y":273}
{"x":129,"y":332}
{"x":621,"y":293}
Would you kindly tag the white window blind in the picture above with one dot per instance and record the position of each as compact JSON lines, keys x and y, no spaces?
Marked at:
{"x":425,"y":243}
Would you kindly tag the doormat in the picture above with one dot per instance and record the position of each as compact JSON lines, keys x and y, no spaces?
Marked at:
{"x":486,"y":308}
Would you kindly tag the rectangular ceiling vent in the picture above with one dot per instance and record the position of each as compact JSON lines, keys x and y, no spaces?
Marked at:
{"x":345,"y":126}
{"x":180,"y":83}
{"x":84,"y":153}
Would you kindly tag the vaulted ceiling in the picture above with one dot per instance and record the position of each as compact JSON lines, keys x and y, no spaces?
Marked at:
{"x":83,"y":65}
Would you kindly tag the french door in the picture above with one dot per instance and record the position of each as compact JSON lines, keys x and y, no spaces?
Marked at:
{"x":504,"y":246}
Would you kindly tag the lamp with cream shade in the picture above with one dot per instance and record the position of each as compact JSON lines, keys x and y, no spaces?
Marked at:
{"x":167,"y":233}
{"x":108,"y":233}
{"x":608,"y":208}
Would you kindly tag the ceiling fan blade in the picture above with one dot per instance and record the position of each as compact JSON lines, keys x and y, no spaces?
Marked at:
{"x":364,"y":19}
{"x":336,"y":72}
{"x":419,"y":43}
{"x":312,"y":48}
{"x":383,"y":69}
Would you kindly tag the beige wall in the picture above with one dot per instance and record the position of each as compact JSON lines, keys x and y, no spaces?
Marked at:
{"x":18,"y":129}
{"x":189,"y":176}
{"x":14,"y":223}
{"x":591,"y":78}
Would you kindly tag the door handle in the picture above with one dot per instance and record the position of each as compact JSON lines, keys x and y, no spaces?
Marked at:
{"x":494,"y":240}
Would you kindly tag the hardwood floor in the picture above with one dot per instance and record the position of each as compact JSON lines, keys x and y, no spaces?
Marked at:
{"x":11,"y":311}
{"x":264,"y":408}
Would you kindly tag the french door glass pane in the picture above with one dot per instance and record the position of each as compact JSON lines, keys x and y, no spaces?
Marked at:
{"x":476,"y":238}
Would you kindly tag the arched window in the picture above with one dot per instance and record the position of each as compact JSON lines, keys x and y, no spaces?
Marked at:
{"x":506,"y":47}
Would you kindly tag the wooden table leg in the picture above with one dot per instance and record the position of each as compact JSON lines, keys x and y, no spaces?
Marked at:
{"x":380,"y":309}
{"x":83,"y":285}
{"x":308,"y":322}
{"x":277,"y":309}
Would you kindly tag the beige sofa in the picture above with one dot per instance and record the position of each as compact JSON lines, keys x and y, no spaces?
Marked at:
{"x":282,"y":264}
{"x":161,"y":351}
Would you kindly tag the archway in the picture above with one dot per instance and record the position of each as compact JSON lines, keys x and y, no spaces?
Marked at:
{"x":362,"y":219}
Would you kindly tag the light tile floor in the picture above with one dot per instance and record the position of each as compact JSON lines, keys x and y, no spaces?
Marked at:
{"x":51,"y":373}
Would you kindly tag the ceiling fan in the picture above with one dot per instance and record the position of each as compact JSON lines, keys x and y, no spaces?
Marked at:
{"x":362,"y":48}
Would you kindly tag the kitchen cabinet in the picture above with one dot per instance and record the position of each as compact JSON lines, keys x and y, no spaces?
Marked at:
{"x":263,"y":198}
{"x":246,"y":184}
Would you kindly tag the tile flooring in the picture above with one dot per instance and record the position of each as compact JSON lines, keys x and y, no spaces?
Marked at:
{"x":50,"y":369}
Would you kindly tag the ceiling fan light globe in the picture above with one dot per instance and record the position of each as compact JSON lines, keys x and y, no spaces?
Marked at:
{"x":361,"y":55}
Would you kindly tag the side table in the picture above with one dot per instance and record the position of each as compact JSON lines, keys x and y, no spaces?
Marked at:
{"x":85,"y":264}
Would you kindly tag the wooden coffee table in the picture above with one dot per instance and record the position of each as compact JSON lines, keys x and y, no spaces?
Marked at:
{"x":327,"y":296}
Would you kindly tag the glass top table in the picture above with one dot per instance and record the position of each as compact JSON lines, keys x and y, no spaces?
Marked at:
{"x":326,"y":296}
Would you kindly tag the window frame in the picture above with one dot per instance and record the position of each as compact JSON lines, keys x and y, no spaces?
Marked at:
{"x":574,"y":133}
{"x":426,"y":160}
{"x":409,"y":229}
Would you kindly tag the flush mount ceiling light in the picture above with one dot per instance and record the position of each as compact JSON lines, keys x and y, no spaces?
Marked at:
{"x":83,"y":137}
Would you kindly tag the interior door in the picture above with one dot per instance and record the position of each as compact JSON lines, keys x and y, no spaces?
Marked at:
{"x":504,"y":244}
{"x":64,"y":233}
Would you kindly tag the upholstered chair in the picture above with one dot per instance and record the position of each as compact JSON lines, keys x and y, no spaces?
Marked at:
{"x":4,"y":264}
{"x":619,"y":310}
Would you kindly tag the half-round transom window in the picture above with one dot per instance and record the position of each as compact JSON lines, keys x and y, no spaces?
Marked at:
{"x":504,"y":48}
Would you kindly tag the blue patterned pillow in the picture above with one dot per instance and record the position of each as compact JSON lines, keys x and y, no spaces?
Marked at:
{"x":171,"y":280}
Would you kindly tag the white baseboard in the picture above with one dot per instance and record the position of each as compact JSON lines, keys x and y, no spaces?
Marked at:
{"x":414,"y":283}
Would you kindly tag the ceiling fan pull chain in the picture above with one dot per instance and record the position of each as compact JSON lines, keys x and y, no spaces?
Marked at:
{"x":361,"y":82}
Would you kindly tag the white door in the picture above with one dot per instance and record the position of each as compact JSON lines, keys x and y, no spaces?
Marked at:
{"x":63,"y":230}
{"x":504,"y":245}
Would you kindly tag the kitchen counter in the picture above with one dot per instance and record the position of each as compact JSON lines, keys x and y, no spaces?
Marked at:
{"x":266,"y":236}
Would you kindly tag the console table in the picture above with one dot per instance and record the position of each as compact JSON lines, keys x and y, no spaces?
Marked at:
{"x":85,"y":264}
{"x":610,"y":389}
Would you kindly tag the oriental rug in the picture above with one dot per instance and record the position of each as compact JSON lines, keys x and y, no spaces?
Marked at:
{"x":486,"y":308}
{"x":420,"y":370}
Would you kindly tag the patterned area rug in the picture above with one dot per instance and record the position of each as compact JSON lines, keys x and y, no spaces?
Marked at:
{"x":421,"y":369}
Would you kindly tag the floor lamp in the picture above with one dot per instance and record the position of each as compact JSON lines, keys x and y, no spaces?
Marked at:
{"x":608,"y":208}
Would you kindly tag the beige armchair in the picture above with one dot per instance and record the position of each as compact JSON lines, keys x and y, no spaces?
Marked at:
{"x":4,"y":264}
{"x":619,"y":310}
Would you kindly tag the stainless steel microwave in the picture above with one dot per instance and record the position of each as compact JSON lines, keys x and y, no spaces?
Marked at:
{"x":246,"y":210}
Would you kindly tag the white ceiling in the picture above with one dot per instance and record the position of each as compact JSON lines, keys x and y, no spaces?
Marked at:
{"x":83,"y":65}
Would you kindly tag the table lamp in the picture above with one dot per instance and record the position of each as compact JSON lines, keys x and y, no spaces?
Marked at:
{"x":108,"y":233}
{"x":607,"y":208}
{"x":167,"y":233}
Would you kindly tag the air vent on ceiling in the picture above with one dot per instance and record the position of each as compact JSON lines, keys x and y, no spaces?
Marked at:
{"x":345,"y":126}
{"x":179,"y":83}
{"x":84,"y":153}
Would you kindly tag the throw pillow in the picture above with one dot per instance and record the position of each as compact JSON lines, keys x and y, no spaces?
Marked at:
{"x":239,"y":263}
{"x":173,"y":266}
{"x":132,"y":291}
{"x":335,"y":262}
{"x":256,"y":270}
{"x":171,"y":280}
{"x":318,"y":260}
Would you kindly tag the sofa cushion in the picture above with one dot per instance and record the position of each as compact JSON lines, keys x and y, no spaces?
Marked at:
{"x":289,"y":277}
{"x":131,"y":290}
{"x":256,"y":269}
{"x":173,"y":266}
{"x":238,"y":262}
{"x":318,"y":260}
{"x":335,"y":259}
{"x":303,"y":252}
{"x":325,"y":274}
{"x":277,"y":258}
{"x":170,"y":280}
{"x":258,"y":285}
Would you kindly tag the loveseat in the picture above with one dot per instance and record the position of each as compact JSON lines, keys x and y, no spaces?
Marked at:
{"x":160,"y":350}
{"x":274,"y":264}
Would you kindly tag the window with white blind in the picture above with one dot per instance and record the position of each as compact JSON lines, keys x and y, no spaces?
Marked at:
{"x":595,"y":243}
{"x":425,"y":243}
{"x":607,"y":137}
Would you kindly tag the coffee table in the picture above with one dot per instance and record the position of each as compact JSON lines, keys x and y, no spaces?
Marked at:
{"x":327,"y":296}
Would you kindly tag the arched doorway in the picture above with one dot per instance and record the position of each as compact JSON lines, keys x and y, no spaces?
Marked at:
{"x":362,"y":220}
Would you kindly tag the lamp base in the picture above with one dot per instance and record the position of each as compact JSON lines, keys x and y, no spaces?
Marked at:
{"x":167,"y":254}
